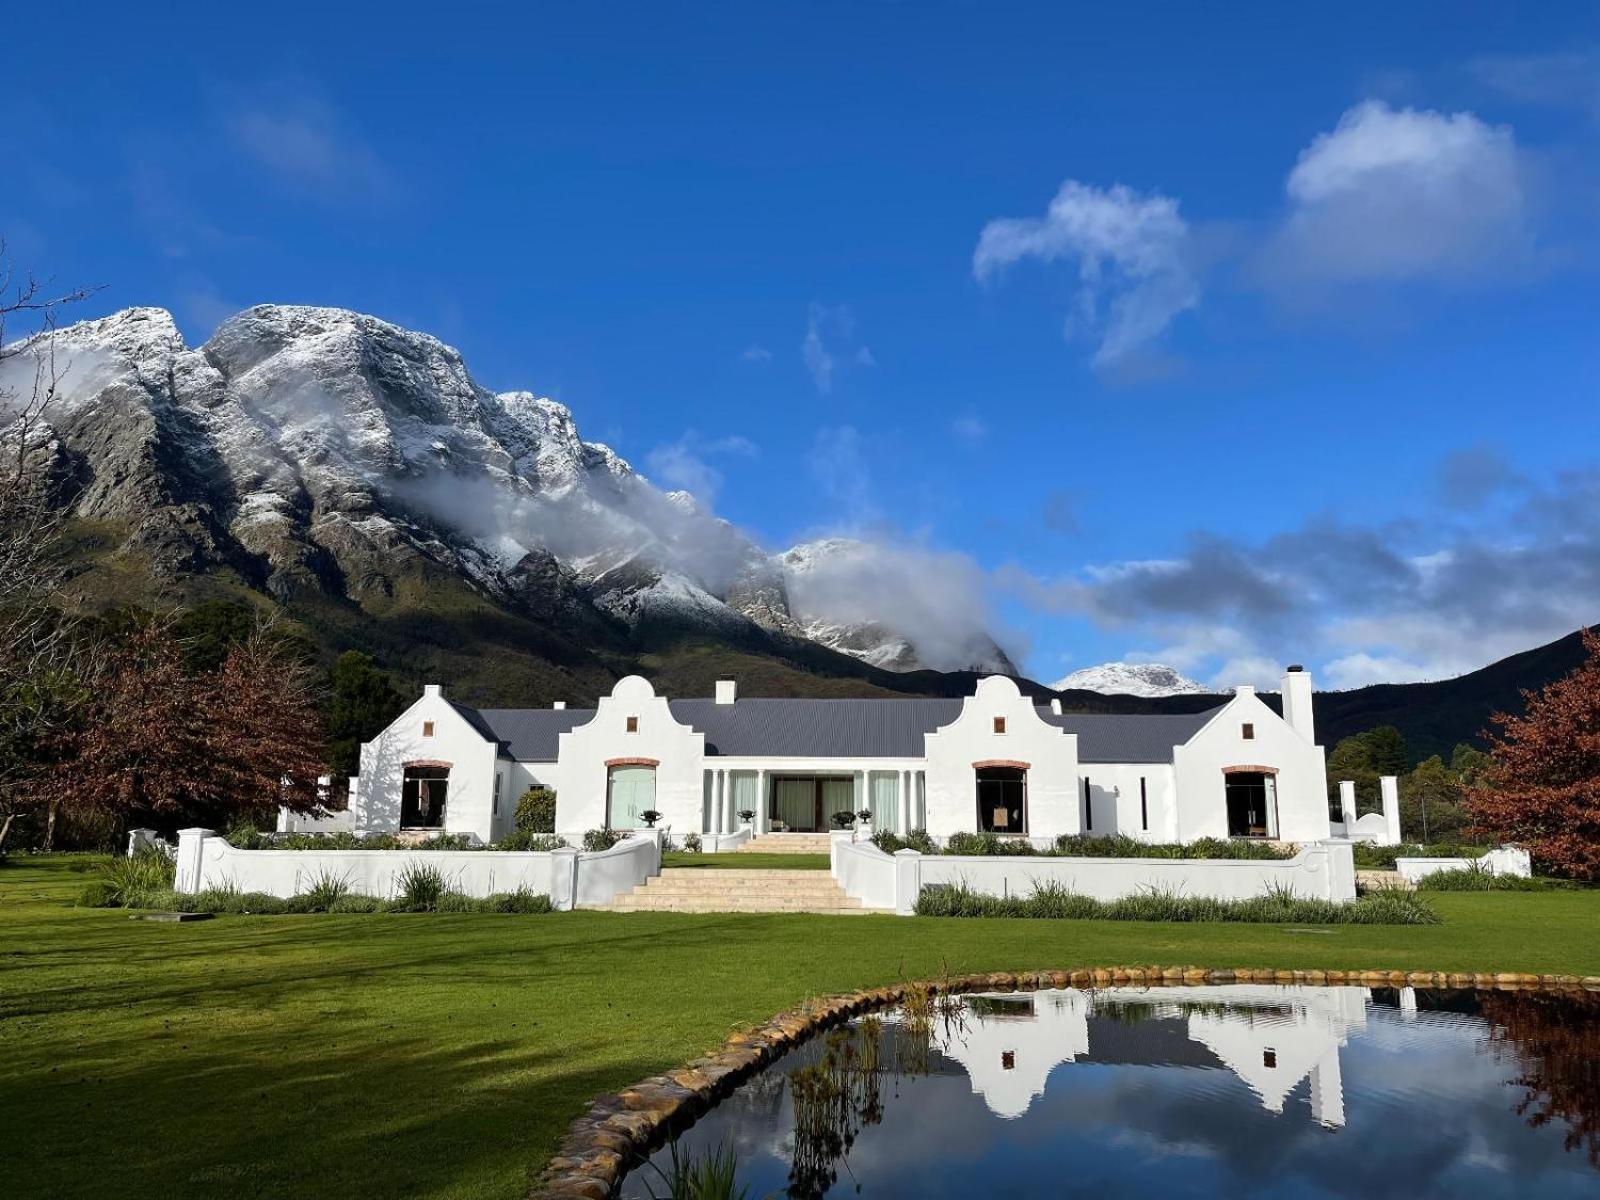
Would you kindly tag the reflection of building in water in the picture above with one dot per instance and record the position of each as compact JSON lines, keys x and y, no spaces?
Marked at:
{"x":1270,"y":1037}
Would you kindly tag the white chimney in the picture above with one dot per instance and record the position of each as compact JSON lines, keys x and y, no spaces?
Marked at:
{"x":559,"y":704}
{"x":1297,"y":702}
{"x":1055,"y":705}
{"x":727,"y":691}
{"x":431,"y":689}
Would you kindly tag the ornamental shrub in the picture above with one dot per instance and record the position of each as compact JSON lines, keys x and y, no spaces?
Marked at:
{"x":596,"y":840}
{"x":527,"y":839}
{"x":536,"y":811}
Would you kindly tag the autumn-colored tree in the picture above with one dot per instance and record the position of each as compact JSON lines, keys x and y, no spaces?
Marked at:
{"x":1541,"y":788}
{"x":1554,"y":1040}
{"x":265,"y":730}
{"x":159,"y":743}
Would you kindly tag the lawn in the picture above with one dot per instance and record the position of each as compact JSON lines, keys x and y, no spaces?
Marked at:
{"x":742,"y":861}
{"x":437,"y":1055}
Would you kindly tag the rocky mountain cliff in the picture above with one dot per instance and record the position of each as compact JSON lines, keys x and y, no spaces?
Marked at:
{"x":318,"y":456}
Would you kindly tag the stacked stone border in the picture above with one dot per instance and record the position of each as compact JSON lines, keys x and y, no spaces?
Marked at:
{"x":619,"y":1130}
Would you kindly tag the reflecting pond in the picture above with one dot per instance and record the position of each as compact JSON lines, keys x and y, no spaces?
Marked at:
{"x":1247,"y":1090}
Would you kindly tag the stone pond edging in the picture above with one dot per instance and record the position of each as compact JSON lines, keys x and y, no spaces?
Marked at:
{"x":619,"y":1129}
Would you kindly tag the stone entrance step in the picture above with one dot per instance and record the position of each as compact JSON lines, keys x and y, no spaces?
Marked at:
{"x":709,"y":890}
{"x":786,"y":843}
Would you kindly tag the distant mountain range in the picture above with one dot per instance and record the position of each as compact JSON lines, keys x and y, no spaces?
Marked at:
{"x":1130,"y":679}
{"x":352,"y":475}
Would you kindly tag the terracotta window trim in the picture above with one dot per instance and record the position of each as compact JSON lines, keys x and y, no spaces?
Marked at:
{"x":1250,"y":769}
{"x":985,"y":764}
{"x":427,"y":762}
{"x":632,"y":762}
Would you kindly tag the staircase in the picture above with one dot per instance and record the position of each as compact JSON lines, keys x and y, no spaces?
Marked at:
{"x":708,"y":890}
{"x":786,"y":843}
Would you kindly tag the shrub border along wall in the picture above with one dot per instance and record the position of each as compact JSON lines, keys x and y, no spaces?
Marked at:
{"x":618,"y":1130}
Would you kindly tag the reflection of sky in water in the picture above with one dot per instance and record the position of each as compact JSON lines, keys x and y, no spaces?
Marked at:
{"x":1157,"y":1097}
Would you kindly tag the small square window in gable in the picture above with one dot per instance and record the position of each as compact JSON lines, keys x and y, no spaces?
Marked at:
{"x":1248,"y":732}
{"x":999,"y":724}
{"x":427,"y":729}
{"x":633,"y":724}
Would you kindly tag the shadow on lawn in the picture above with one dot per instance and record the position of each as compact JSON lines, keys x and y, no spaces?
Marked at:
{"x":251,"y":1115}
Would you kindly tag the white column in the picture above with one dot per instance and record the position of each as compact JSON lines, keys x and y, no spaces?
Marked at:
{"x":1389,"y":788}
{"x":1347,"y":805}
{"x":730,"y":800}
{"x":905,"y":802}
{"x":1327,"y":1091}
{"x":716,"y":801}
{"x":762,"y":820}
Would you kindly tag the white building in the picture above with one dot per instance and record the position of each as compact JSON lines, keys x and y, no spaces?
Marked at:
{"x":992,"y":762}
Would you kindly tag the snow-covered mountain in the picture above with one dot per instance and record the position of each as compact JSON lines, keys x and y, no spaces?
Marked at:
{"x":1130,"y":679}
{"x":318,"y":450}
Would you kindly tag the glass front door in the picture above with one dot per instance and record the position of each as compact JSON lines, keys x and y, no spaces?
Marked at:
{"x":632,"y":791}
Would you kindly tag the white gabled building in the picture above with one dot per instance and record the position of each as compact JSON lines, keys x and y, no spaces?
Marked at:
{"x":992,"y":762}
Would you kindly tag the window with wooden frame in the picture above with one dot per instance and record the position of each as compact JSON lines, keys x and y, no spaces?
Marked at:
{"x":999,"y":724}
{"x":427,"y":729}
{"x":1248,"y":732}
{"x":633,"y":724}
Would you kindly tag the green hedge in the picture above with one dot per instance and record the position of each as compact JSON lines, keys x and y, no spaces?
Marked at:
{"x":1052,"y":901}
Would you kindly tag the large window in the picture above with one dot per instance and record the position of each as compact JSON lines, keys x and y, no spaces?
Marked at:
{"x":1252,"y":804}
{"x":422,"y":796}
{"x":1002,"y":800}
{"x":629,"y":792}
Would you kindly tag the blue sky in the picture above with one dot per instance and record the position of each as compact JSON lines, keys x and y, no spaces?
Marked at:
{"x":1225,"y":338}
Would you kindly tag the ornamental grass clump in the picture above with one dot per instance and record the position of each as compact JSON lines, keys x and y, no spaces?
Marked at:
{"x":1475,"y":878}
{"x":986,"y":844}
{"x":527,"y":839}
{"x":1074,"y":845}
{"x":326,"y":890}
{"x":418,"y":887}
{"x":1053,"y":901}
{"x":890,"y":842}
{"x":130,"y":882}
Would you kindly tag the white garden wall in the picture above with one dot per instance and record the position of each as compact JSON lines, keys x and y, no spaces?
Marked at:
{"x":206,"y":860}
{"x":1506,"y":860}
{"x":1325,"y":871}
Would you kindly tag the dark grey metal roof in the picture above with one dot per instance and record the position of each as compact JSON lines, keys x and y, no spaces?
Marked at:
{"x":1129,"y":737}
{"x":802,"y":728}
{"x":529,"y":734}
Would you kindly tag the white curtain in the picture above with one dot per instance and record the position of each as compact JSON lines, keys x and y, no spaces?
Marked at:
{"x":633,"y":791}
{"x":838,"y":795}
{"x":884,"y":788}
{"x":1271,"y":782}
{"x":744,"y":794}
{"x":797,"y":803}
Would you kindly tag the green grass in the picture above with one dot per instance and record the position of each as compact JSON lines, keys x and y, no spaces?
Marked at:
{"x":444,"y":1055}
{"x":747,"y":862}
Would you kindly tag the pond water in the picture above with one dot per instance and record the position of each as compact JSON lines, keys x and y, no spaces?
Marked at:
{"x":1246,"y":1090}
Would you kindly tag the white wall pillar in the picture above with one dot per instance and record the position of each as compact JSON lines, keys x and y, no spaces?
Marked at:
{"x":1408,"y":1003}
{"x":1347,"y":805}
{"x":564,"y":878}
{"x":1327,"y":1091}
{"x":191,"y":851}
{"x":1389,"y":788}
{"x":907,"y":881}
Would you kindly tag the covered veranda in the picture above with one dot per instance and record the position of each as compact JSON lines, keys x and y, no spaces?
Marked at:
{"x":802,"y":795}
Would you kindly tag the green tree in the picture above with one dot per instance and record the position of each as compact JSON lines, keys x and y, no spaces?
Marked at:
{"x":362,"y":700}
{"x":1388,"y":747}
{"x":1352,"y":759}
{"x":1431,"y":803}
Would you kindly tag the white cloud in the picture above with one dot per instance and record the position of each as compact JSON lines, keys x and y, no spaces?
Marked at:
{"x":1132,"y":255}
{"x":756,"y":354}
{"x":969,"y":428}
{"x":830,"y":344}
{"x":1400,"y":195}
{"x":310,"y":146}
{"x":1565,"y":79}
{"x":838,"y":462}
{"x":1358,"y":670}
{"x":686,"y":464}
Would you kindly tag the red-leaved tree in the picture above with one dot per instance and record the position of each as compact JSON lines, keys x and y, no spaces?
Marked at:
{"x":158,"y":743}
{"x":1542,"y":786}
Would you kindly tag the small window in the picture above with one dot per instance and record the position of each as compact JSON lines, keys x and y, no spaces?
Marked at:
{"x":496,"y":809}
{"x":1088,"y":806}
{"x":1144,"y":805}
{"x":633,"y":724}
{"x":1269,"y":1058}
{"x":427,"y":729}
{"x":1248,"y":732}
{"x":999,"y":724}
{"x":1008,"y":1060}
